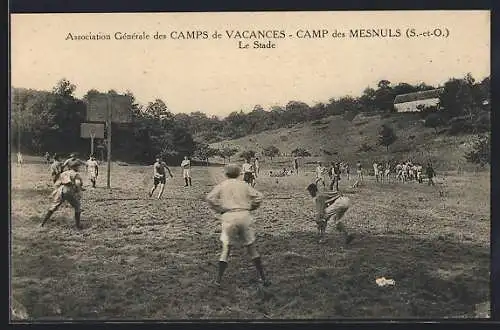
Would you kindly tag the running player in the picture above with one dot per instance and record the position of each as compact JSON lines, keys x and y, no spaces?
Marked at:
{"x":92,"y":170}
{"x":330,"y":205}
{"x":233,"y":200}
{"x":68,"y":187}
{"x":160,"y":170}
{"x":186,"y":171}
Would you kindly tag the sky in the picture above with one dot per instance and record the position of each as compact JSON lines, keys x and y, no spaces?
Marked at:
{"x":215,"y":76}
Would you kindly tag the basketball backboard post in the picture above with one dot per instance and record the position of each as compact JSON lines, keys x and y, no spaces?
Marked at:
{"x":109,"y":109}
{"x":108,"y":126}
{"x":92,"y":131}
{"x":92,"y":136}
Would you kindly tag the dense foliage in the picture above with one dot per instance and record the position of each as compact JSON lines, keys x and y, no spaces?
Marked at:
{"x":46,"y":118}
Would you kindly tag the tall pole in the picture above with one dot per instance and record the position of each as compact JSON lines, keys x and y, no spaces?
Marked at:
{"x":92,"y":144}
{"x":108,"y":124}
{"x":18,"y":103}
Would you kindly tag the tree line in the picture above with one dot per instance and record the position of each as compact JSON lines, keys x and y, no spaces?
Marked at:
{"x":50,"y":120}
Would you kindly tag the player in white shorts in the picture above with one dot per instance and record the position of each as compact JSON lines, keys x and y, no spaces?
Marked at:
{"x":186,"y":171}
{"x":330,"y":205}
{"x":233,"y":200}
{"x":92,"y":170}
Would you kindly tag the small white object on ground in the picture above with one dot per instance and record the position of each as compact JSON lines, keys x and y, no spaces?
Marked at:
{"x":382,"y":281}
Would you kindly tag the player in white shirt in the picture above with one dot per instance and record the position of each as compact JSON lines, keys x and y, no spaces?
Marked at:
{"x":321,"y":173}
{"x":186,"y":171}
{"x":233,"y":200}
{"x":92,"y":170}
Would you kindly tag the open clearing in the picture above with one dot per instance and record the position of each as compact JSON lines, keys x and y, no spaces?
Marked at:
{"x":140,"y":258}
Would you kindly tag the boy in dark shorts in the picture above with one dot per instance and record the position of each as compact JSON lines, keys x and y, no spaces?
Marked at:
{"x":160,"y":170}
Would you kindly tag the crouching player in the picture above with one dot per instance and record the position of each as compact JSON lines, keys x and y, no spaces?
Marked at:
{"x":68,"y":187}
{"x":330,"y":205}
{"x":233,"y":199}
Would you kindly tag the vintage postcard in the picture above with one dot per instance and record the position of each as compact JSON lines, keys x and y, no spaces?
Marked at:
{"x":250,"y":165}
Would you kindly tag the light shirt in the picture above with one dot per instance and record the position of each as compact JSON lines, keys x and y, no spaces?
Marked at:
{"x":320,"y":171}
{"x":186,"y":164}
{"x":68,"y":177}
{"x":247,"y":168}
{"x":233,"y":195}
{"x":92,"y":166}
{"x":323,"y":200}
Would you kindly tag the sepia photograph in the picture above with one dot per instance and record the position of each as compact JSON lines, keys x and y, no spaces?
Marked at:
{"x":329,"y":165}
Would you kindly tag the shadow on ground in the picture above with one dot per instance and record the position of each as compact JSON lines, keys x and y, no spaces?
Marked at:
{"x":75,"y":276}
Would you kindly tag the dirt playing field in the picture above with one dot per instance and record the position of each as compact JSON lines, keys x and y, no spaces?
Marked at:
{"x":142,"y":258}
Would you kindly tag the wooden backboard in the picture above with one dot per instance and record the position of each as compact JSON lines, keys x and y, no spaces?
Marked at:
{"x":88,"y":129}
{"x":97,"y":107}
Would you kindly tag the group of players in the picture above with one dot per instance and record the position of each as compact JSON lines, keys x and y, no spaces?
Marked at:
{"x":402,"y":171}
{"x":68,"y":183}
{"x":232,"y":200}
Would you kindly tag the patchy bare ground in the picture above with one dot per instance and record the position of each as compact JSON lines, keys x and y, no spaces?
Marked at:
{"x":140,"y":258}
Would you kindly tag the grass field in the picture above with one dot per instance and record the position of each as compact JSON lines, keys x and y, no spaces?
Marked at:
{"x":140,"y":258}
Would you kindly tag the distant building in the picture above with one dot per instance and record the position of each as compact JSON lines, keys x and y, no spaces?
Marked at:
{"x":412,"y":102}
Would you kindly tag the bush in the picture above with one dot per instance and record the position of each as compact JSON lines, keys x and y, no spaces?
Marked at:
{"x":481,"y":151}
{"x":433,"y":120}
{"x":483,"y":122}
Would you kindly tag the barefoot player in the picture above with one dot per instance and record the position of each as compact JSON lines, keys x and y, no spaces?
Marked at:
{"x":233,"y":200}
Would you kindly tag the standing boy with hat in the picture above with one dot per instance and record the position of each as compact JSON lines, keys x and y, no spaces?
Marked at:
{"x":233,"y":200}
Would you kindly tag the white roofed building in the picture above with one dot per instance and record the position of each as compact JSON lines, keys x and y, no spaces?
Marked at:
{"x":414,"y":102}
